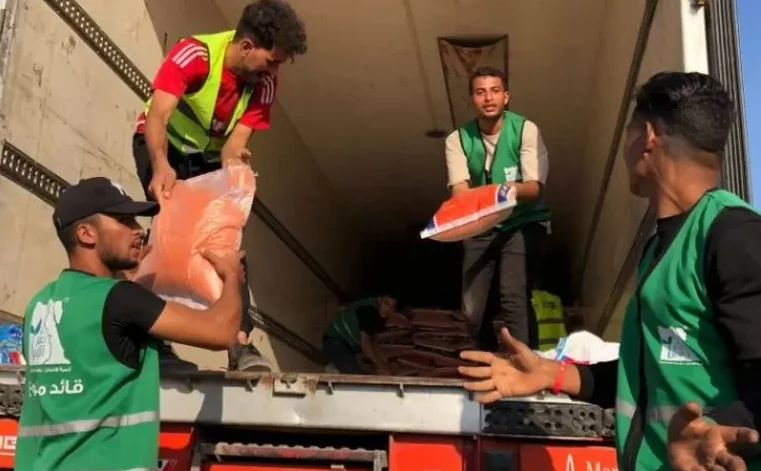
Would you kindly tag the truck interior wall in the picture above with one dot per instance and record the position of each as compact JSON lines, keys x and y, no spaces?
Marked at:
{"x":620,"y":232}
{"x":66,"y":109}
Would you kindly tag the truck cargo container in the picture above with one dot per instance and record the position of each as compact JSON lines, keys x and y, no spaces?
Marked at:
{"x":350,"y":172}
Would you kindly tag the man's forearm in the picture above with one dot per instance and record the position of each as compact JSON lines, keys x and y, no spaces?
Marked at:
{"x":458,"y":188}
{"x":527,"y":192}
{"x":157,"y":142}
{"x":226,"y":313}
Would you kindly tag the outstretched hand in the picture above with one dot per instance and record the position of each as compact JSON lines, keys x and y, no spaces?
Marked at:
{"x":695,"y":444}
{"x":517,"y":372}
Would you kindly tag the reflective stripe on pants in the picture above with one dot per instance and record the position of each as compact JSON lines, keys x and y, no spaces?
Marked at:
{"x":76,"y":426}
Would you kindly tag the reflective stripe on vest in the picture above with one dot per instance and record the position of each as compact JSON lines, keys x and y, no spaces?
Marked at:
{"x":78,"y":426}
{"x":189,"y":128}
{"x":654,"y":413}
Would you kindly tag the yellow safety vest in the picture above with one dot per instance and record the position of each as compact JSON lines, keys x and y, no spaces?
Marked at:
{"x":189,"y":128}
{"x":549,"y":318}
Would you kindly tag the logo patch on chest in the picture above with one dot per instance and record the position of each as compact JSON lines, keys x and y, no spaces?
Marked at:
{"x":674,"y":348}
{"x":511,"y":174}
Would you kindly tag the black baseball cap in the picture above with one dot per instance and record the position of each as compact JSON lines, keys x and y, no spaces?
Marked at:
{"x":98,"y":195}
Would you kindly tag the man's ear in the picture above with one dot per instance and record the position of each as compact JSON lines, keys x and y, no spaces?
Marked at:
{"x":87,"y":233}
{"x":247,"y":45}
{"x":507,"y":97}
{"x":651,"y":138}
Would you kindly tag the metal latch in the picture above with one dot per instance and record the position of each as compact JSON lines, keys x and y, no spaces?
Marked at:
{"x":290,"y":385}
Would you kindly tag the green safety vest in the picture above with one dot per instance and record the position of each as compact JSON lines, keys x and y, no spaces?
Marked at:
{"x":189,"y":128}
{"x":506,"y":167}
{"x":671,"y":351}
{"x":82,"y":408}
{"x":346,"y":324}
{"x":549,"y":318}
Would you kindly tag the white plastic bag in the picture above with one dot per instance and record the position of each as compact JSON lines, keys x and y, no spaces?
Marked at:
{"x":583,"y":347}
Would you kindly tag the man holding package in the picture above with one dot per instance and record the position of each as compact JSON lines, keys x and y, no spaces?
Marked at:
{"x":691,"y":331}
{"x":91,"y":399}
{"x":210,"y":94}
{"x":500,"y":146}
{"x":353,"y":331}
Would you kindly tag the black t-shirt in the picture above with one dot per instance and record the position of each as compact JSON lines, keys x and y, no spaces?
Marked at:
{"x":733,"y":283}
{"x":129,"y":313}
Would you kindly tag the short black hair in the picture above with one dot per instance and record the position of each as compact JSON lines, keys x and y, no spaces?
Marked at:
{"x":689,"y":106}
{"x":272,"y":24}
{"x":487,"y":72}
{"x":68,"y":234}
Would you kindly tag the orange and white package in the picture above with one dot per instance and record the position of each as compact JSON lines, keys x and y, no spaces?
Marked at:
{"x":470,"y":213}
{"x":207,"y":212}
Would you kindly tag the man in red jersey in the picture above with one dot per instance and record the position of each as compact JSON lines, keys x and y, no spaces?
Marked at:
{"x":210,"y":94}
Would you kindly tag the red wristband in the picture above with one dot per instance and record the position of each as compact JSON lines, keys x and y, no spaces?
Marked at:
{"x":560,"y":376}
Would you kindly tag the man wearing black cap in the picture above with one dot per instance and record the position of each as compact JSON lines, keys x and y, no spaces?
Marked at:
{"x":90,"y":340}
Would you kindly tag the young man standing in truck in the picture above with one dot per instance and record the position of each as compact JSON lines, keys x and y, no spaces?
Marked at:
{"x":91,"y":399}
{"x":692,"y":328}
{"x":353,"y":331}
{"x":500,"y":146}
{"x":210,"y":94}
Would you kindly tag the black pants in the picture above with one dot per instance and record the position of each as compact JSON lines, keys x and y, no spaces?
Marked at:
{"x":186,"y":167}
{"x":516,"y":258}
{"x":341,"y":355}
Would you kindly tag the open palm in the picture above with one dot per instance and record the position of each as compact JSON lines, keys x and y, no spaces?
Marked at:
{"x":697,"y":445}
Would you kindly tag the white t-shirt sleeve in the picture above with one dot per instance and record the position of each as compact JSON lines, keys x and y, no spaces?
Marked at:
{"x":457,"y":163}
{"x":534,"y":155}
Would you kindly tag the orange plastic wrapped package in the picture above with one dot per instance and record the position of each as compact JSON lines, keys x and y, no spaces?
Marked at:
{"x":470,"y":213}
{"x":207,"y":212}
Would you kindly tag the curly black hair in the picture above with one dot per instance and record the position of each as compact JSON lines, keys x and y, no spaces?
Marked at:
{"x":273,"y":24}
{"x":691,"y":106}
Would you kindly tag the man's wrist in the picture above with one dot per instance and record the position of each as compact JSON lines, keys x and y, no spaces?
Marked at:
{"x":550,"y":370}
{"x":159,"y":162}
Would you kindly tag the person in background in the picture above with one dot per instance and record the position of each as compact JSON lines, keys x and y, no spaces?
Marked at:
{"x":211,"y":93}
{"x":550,"y":319}
{"x":91,"y":396}
{"x":500,"y":146}
{"x":353,"y":331}
{"x":687,"y":384}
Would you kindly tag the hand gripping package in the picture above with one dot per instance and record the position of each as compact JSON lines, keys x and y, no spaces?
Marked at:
{"x":471,"y":212}
{"x":207,"y":212}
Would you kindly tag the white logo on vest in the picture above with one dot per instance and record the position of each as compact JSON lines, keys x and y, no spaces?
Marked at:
{"x":674,"y":348}
{"x":45,"y":342}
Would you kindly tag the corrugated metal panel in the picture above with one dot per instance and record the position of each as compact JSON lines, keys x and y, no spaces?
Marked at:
{"x":724,"y":64}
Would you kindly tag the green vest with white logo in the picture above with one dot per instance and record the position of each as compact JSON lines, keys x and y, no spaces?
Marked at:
{"x":82,"y":408}
{"x":189,"y":128}
{"x":346,"y":323}
{"x":671,"y":351}
{"x":505,"y":167}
